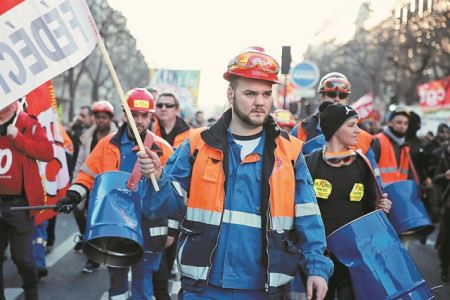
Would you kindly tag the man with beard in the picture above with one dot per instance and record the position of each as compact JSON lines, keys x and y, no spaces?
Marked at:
{"x":113,"y":153}
{"x":251,"y":216}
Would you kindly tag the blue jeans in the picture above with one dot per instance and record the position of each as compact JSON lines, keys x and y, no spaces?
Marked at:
{"x":141,"y":279}
{"x":39,"y":242}
{"x":218,"y":293}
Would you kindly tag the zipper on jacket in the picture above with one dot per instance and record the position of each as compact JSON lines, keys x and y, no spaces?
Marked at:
{"x":268,"y":225}
{"x":215,"y":247}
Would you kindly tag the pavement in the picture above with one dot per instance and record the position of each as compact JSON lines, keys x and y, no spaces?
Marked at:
{"x":66,"y":281}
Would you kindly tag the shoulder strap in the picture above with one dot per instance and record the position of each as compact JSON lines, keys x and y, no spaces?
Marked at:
{"x":292,"y":146}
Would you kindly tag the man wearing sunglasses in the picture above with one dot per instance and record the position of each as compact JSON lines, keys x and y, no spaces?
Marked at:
{"x":167,"y":123}
{"x":335,"y":88}
{"x":344,"y":183}
{"x":251,"y":217}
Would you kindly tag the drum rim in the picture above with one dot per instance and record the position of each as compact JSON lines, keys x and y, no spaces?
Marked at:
{"x":372,"y":212}
{"x":109,"y":252}
{"x":113,"y":171}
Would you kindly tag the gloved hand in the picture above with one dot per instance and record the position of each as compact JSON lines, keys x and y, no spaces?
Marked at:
{"x":65,"y":204}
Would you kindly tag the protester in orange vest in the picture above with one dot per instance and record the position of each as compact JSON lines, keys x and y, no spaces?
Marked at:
{"x":114,"y":152}
{"x":22,"y":142}
{"x":391,"y":151}
{"x":344,"y":183}
{"x":251,"y":216}
{"x":167,"y":124}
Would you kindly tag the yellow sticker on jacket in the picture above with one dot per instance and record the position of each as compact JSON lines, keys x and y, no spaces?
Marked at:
{"x":357,"y":192}
{"x":322,"y":188}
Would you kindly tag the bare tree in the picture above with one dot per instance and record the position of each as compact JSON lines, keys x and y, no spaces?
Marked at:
{"x":397,"y":54}
{"x":91,"y":79}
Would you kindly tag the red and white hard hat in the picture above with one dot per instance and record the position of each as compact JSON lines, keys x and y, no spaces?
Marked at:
{"x":334,"y":82}
{"x":140,"y":99}
{"x":102,"y":106}
{"x":253,"y":63}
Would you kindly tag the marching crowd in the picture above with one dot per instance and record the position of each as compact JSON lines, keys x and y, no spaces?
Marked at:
{"x":245,"y":202}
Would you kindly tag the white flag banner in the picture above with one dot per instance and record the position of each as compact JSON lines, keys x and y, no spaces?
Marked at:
{"x":40,"y":39}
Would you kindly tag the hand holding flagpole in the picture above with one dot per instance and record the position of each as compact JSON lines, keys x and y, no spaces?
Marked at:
{"x":119,"y":90}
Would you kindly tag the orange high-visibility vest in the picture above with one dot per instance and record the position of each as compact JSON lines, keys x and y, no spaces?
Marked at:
{"x":390,"y":169}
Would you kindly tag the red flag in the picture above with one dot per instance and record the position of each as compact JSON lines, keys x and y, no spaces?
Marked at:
{"x":8,"y":4}
{"x":54,"y":174}
{"x":435,"y":95}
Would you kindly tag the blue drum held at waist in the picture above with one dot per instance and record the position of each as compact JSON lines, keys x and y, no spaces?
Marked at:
{"x":408,"y":214}
{"x":379,"y":265}
{"x":113,"y":236}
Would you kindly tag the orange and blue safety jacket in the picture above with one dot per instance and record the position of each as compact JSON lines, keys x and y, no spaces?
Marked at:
{"x":109,"y":155}
{"x":247,"y":224}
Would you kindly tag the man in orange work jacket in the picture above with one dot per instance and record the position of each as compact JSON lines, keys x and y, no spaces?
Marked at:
{"x":117,"y":152}
{"x":391,"y":151}
{"x":252,"y":217}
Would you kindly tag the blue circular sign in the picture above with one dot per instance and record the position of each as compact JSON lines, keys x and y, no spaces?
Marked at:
{"x":305,"y":74}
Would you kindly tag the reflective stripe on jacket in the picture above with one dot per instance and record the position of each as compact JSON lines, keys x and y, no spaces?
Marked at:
{"x":390,"y":169}
{"x":293,"y":214}
{"x":106,"y":157}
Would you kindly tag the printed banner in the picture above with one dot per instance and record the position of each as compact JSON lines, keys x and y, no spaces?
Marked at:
{"x":41,"y":103}
{"x":39,"y":40}
{"x":435,"y":95}
{"x":184,"y":83}
{"x":364,"y":106}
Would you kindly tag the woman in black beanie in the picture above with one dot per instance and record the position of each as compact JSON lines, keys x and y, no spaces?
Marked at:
{"x":344,"y":183}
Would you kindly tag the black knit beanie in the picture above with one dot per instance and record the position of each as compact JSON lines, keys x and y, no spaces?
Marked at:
{"x":332,"y":116}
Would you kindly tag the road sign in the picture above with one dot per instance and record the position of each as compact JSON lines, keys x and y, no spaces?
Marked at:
{"x":305,"y":74}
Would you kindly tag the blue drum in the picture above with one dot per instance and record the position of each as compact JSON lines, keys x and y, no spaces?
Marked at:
{"x":113,"y":236}
{"x":313,"y":144}
{"x":408,"y":214}
{"x":379,"y":265}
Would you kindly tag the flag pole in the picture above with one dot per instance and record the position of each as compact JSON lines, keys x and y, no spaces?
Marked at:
{"x":119,"y":90}
{"x":118,"y":86}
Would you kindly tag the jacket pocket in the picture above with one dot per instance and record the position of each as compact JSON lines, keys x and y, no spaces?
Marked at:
{"x":284,"y":255}
{"x":212,"y":169}
{"x":194,"y":250}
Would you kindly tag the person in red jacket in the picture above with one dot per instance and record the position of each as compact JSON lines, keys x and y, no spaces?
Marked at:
{"x":22,"y":142}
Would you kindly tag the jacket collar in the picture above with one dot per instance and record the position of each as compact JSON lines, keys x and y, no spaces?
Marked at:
{"x":216,"y":134}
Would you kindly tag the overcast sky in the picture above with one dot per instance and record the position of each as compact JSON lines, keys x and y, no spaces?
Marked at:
{"x":205,"y":34}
